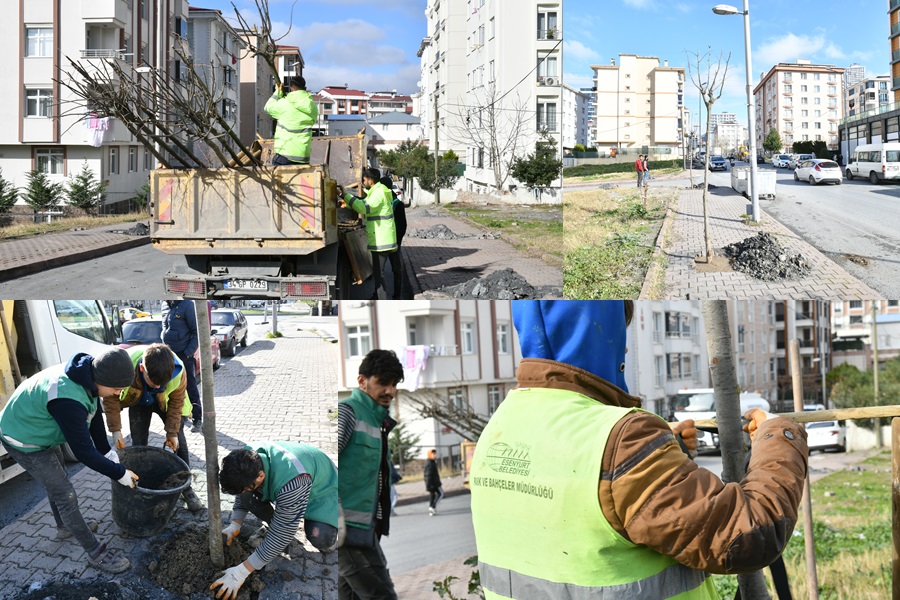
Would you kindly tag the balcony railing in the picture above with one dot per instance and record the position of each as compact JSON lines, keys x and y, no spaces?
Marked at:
{"x":553,"y":33}
{"x":895,"y":4}
{"x":895,"y":55}
{"x":102,"y":53}
{"x":547,"y":80}
{"x":895,"y":29}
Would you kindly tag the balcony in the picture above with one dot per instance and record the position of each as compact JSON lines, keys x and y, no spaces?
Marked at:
{"x":553,"y":33}
{"x":895,"y":29}
{"x":895,"y":4}
{"x":895,"y":56}
{"x":548,"y":80}
{"x":103,"y":53}
{"x":105,"y":12}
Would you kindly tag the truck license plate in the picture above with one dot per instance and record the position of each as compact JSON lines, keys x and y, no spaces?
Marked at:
{"x":246,"y":284}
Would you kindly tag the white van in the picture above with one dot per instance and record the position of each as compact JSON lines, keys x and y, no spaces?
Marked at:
{"x":702,"y":405}
{"x":877,"y":162}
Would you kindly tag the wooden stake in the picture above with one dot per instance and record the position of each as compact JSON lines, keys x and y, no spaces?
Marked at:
{"x":895,"y":503}
{"x":817,"y":416}
{"x":809,"y":539}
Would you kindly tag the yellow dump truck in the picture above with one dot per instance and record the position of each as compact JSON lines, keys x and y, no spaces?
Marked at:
{"x":273,"y":232}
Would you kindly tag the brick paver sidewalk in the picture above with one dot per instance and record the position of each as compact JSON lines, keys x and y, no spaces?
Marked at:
{"x":432,"y":264}
{"x":23,"y":256}
{"x":684,"y":240}
{"x":277,"y":389}
{"x":419,"y":583}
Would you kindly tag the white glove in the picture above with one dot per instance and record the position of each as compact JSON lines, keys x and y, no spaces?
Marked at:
{"x":118,"y":440}
{"x":231,"y":532}
{"x":342,"y":527}
{"x":112,"y":455}
{"x":129,"y":479}
{"x":230,"y":582}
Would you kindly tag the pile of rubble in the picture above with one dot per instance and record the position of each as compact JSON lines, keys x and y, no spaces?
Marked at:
{"x":505,"y":284}
{"x":762,"y":257}
{"x":140,"y":228}
{"x":442,"y":232}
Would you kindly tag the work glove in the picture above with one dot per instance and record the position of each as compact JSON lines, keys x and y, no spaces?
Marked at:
{"x":231,"y":532}
{"x":118,"y":440}
{"x":112,"y":455}
{"x":342,"y":526}
{"x":230,"y":582}
{"x":688,"y":434}
{"x":755,"y":417}
{"x":129,"y":479}
{"x":171,"y":444}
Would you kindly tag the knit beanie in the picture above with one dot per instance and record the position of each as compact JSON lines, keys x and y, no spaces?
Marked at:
{"x":113,"y":369}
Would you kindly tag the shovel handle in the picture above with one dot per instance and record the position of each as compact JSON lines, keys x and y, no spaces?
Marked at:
{"x":815,"y":416}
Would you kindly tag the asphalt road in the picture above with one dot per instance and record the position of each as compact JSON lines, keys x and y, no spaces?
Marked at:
{"x":418,"y":539}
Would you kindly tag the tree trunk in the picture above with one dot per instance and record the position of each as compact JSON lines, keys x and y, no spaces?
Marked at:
{"x":706,"y":238}
{"x":728,"y":413}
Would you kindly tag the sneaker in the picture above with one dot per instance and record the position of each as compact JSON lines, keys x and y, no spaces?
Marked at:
{"x":63,"y":534}
{"x":193,"y":501}
{"x":197,"y":427}
{"x":108,"y":560}
{"x":257,"y":538}
{"x":431,"y":512}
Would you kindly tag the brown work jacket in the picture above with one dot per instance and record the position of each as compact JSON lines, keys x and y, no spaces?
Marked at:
{"x":113,"y":406}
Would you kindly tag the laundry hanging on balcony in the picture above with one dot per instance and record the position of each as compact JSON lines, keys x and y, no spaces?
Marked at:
{"x":414,"y":360}
{"x":98,"y":127}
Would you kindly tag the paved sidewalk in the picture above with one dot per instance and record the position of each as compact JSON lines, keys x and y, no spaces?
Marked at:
{"x":412,"y":491}
{"x":274,"y":389}
{"x":24,"y":256}
{"x":432,"y":264}
{"x":419,"y":583}
{"x":681,"y":239}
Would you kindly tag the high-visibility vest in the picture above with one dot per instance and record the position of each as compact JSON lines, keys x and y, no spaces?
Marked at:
{"x":25,"y":422}
{"x":134,"y":395}
{"x":360,"y":462}
{"x":539,"y":527}
{"x":378,"y":209}
{"x":296,"y":114}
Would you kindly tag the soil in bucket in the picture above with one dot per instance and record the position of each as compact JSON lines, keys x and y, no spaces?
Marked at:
{"x":146,"y":509}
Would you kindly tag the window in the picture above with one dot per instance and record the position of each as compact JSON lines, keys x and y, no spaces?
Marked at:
{"x":893,"y":302}
{"x":818,"y":125}
{"x":817,"y":101}
{"x":804,"y":100}
{"x":503,"y":338}
{"x":817,"y":76}
{"x":481,"y":35}
{"x":495,"y":397}
{"x":456,"y":397}
{"x":804,"y":113}
{"x":358,"y":340}
{"x":547,"y":25}
{"x":38,"y":41}
{"x":132,"y":159}
{"x":39,"y":103}
{"x":148,"y":160}
{"x":113,"y":161}
{"x":678,"y":366}
{"x":493,"y":29}
{"x":547,"y":66}
{"x":411,"y":336}
{"x":467,"y":331}
{"x":856,"y":319}
{"x":49,"y":160}
{"x":81,"y":317}
{"x":817,"y":88}
{"x":678,"y":325}
{"x":546,"y":116}
{"x":803,"y":75}
{"x":659,"y":365}
{"x":788,"y":89}
{"x":856,"y":304}
{"x":804,"y":88}
{"x":491,"y":71}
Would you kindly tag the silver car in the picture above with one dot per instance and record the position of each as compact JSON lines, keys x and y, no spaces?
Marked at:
{"x":781,"y":161}
{"x":819,"y":170}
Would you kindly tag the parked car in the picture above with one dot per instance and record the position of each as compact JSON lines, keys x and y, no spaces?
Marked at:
{"x":148,"y":330}
{"x":257,"y":304}
{"x":878,"y":162}
{"x":796,"y":159}
{"x":819,"y":170}
{"x":717,"y":163}
{"x":128,"y":313}
{"x":231,"y":329}
{"x":781,"y":161}
{"x":826,"y":435}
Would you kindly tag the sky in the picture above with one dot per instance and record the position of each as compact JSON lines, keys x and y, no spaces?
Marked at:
{"x":368,"y":45}
{"x":823,"y":31}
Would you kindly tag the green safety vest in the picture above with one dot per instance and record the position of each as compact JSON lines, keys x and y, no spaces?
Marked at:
{"x":539,"y":527}
{"x":137,"y":353}
{"x":360,"y":462}
{"x":296,"y":114}
{"x":25,"y":422}
{"x":378,"y":208}
{"x":283,"y":461}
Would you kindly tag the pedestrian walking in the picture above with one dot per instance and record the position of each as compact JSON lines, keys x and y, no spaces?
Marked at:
{"x":646,"y":165}
{"x":60,"y":405}
{"x":296,"y":114}
{"x":364,"y":487}
{"x":396,"y":478}
{"x":639,"y":169}
{"x":179,"y":332}
{"x":433,"y":482}
{"x":570,"y":440}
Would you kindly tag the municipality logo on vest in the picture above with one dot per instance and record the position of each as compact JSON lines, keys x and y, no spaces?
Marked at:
{"x":504,"y":458}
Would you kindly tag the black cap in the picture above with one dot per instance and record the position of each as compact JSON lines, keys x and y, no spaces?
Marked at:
{"x":113,"y":369}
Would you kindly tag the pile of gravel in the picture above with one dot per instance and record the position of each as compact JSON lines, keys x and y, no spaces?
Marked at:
{"x":499,"y":285}
{"x":762,"y":257}
{"x":442,"y":232}
{"x":138,"y":229}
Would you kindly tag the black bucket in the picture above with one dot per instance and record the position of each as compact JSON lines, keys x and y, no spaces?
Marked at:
{"x":146,"y":509}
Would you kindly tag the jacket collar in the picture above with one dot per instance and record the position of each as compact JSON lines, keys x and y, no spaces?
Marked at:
{"x":543,"y":373}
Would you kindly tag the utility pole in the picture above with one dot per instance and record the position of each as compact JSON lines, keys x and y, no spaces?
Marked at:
{"x":879,"y":443}
{"x":437,"y":188}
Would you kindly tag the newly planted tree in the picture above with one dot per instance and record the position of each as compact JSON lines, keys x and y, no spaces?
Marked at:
{"x":84,"y":191}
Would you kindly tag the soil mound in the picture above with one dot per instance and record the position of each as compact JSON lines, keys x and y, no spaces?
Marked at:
{"x":499,"y":285}
{"x":764,"y":258}
{"x":138,"y":229}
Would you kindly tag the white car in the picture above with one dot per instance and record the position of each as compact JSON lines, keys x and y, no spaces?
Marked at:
{"x":781,"y":161}
{"x":819,"y":170}
{"x":826,"y":435}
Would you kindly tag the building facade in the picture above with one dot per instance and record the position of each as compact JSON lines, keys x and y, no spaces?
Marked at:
{"x":256,"y":87}
{"x":389,"y":130}
{"x":853,"y":75}
{"x":380,"y":103}
{"x":851,"y":323}
{"x":723,"y":117}
{"x":639,"y":104}
{"x":591,"y":95}
{"x":867,"y":95}
{"x":728,"y":136}
{"x":801,"y":101}
{"x":574,"y":117}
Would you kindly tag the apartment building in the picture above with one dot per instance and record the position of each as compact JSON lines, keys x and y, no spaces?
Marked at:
{"x":728,"y":136}
{"x":591,"y":95}
{"x":492,"y":68}
{"x":894,"y":20}
{"x":391,"y":129}
{"x":867,"y":94}
{"x":723,"y":117}
{"x":289,"y":62}
{"x":380,"y":103}
{"x":461,"y":353}
{"x":809,"y":322}
{"x":853,"y":75}
{"x":574,"y":117}
{"x":851,"y":323}
{"x":43,"y":125}
{"x":801,"y":101}
{"x":256,"y":87}
{"x":639,"y":104}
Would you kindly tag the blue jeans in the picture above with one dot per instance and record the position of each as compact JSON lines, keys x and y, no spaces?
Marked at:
{"x":193,"y":391}
{"x":139,"y":420}
{"x":48,"y":467}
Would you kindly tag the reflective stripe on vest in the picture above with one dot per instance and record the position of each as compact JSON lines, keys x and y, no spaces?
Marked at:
{"x":304,"y":130}
{"x":378,"y":217}
{"x":290,"y":456}
{"x":674,"y":580}
{"x":300,"y":160}
{"x":387,"y":248}
{"x":357,"y":516}
{"x":371,"y":430}
{"x":17,"y":443}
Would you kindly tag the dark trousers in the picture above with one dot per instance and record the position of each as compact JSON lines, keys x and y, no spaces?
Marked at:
{"x":280,"y":161}
{"x":363,"y":574}
{"x":193,"y":391}
{"x":379,"y":261}
{"x":139,"y":418}
{"x":321,"y":535}
{"x":48,"y":467}
{"x":435,"y":496}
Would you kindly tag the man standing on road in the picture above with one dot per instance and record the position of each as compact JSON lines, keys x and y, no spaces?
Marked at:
{"x":639,"y":168}
{"x":570,"y":440}
{"x":302,"y":482}
{"x":296,"y":114}
{"x":61,"y":405}
{"x":180,"y":334}
{"x":376,"y":205}
{"x":433,"y":482}
{"x":158,"y":388}
{"x":365,"y":482}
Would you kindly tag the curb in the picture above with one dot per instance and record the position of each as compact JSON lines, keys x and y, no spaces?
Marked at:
{"x":423,"y":497}
{"x":412,"y":278}
{"x":68,"y":259}
{"x":653,"y":272}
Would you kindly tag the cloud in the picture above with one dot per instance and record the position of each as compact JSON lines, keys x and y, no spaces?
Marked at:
{"x":639,"y":3}
{"x":404,"y":79}
{"x":790,"y":47}
{"x":578,"y":81}
{"x":684,"y":7}
{"x":339,"y":52}
{"x":349,"y":30}
{"x":577,"y":50}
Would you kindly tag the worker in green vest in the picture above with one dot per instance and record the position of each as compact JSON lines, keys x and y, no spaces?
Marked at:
{"x":577,"y":492}
{"x":60,"y":405}
{"x":296,"y":113}
{"x":159,"y":387}
{"x":377,"y":206}
{"x":364,"y":423}
{"x":302,"y":483}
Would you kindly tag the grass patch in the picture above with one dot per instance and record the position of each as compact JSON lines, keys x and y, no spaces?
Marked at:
{"x":619,"y":175}
{"x":609,"y":240}
{"x":621,"y":167}
{"x":535,"y":230}
{"x":852,"y":529}
{"x":66,"y":223}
